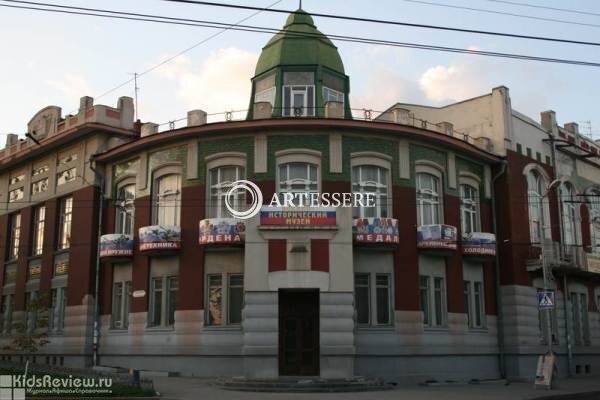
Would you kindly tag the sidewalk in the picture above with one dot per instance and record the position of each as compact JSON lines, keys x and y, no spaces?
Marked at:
{"x":198,"y":388}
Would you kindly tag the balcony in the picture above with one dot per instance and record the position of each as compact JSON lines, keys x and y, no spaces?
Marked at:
{"x":436,"y":237}
{"x":593,"y":261}
{"x":479,"y":244}
{"x":556,"y":255}
{"x":116,"y":245}
{"x":159,"y":238}
{"x":224,"y":231}
{"x":376,"y":231}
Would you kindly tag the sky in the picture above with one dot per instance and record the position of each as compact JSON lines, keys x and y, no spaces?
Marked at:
{"x":54,"y":59}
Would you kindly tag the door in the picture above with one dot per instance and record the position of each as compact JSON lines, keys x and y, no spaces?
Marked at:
{"x":299,"y":332}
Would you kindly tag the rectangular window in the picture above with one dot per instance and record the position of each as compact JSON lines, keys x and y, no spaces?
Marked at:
{"x":332,"y":95}
{"x":215,"y":300}
{"x":66,"y":176}
{"x":172,"y":289}
{"x":579,"y":312}
{"x":125,"y":209}
{"x":474,"y":304}
{"x":225,"y":299}
{"x":64,"y":223}
{"x":265,"y":96}
{"x":433,"y":300}
{"x":31,"y":310}
{"x":221,"y":179}
{"x":299,"y":100}
{"x":39,"y":217}
{"x":14,"y":235}
{"x":58,"y":303}
{"x":383,"y":295}
{"x":236,"y":298}
{"x":361,"y":298}
{"x":39,"y":186}
{"x":469,"y":208}
{"x":299,"y":179}
{"x":121,"y":304}
{"x":428,"y":199}
{"x":156,"y":301}
{"x":371,"y":179}
{"x":168,"y":200}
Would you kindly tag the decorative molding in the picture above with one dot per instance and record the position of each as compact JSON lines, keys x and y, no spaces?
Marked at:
{"x":142,"y":181}
{"x":487,"y":181}
{"x":192,"y":160}
{"x":335,"y":153}
{"x":260,"y":153}
{"x":451,"y":170}
{"x":404,"y":159}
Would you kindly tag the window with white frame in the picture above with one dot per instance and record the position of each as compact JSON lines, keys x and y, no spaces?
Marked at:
{"x":14,"y":236}
{"x":64,"y":223}
{"x":474,"y":295}
{"x":221,"y":179}
{"x":594,"y":206}
{"x":373,"y":299}
{"x":580,"y":317}
{"x":332,"y":95}
{"x":266,"y":96}
{"x":469,"y":208}
{"x":371,"y":179}
{"x":298,"y":100}
{"x":39,"y":219}
{"x":58,"y":305}
{"x":429,"y":204}
{"x":167,"y":200}
{"x":6,"y":313}
{"x":163,"y":300}
{"x":121,"y":304}
{"x":569,"y":214}
{"x":125,"y":209}
{"x":539,"y":214}
{"x":298,"y":178}
{"x":432,"y":291}
{"x":225,"y":299}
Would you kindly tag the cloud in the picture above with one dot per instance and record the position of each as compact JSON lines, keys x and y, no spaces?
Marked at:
{"x":72,"y":87}
{"x":221,"y":82}
{"x":453,"y":82}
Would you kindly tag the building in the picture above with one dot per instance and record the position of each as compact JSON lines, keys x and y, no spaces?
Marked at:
{"x":411,"y":288}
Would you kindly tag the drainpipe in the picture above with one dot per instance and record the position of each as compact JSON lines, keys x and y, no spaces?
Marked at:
{"x":96,"y":332}
{"x":567,"y":326}
{"x":500,"y":317}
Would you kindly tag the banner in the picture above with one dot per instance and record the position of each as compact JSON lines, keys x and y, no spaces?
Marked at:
{"x":297,"y":217}
{"x":160,"y":237}
{"x":436,"y":237}
{"x":116,"y":245}
{"x":375,"y":230}
{"x":479,"y":243}
{"x":221,"y":231}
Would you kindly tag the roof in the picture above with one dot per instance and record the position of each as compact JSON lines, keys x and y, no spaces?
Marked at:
{"x":299,"y":43}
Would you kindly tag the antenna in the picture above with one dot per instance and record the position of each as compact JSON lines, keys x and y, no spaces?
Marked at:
{"x":300,"y":4}
{"x":135,"y":95}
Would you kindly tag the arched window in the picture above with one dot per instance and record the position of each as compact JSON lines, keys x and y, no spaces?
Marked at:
{"x":469,"y":208}
{"x":167,"y":200}
{"x":594,"y":205}
{"x":539,"y":214}
{"x":429,"y":204}
{"x":371,"y":179}
{"x":221,"y":179}
{"x":298,"y":178}
{"x":569,"y":214}
{"x":125,"y":209}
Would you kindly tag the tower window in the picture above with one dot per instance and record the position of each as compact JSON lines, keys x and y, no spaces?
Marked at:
{"x":298,"y":100}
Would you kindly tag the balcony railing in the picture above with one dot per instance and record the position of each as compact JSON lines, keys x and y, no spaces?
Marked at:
{"x":437,"y":237}
{"x":159,"y":238}
{"x":116,"y":245}
{"x":221,"y":231}
{"x":375,"y":231}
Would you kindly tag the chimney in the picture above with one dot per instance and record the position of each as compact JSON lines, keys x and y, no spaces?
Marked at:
{"x":401,"y":116}
{"x":149,"y":128}
{"x":548,"y":120}
{"x":11,"y":139}
{"x":85,"y":103}
{"x":196,"y":118}
{"x":572,"y":127}
{"x":125,"y":106}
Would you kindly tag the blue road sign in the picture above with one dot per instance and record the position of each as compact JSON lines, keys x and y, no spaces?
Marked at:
{"x":545,"y":300}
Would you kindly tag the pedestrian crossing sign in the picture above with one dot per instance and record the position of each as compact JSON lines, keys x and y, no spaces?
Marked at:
{"x":545,"y":300}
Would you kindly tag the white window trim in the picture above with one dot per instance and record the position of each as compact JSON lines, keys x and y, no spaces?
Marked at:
{"x":575,"y":220}
{"x":432,"y":168}
{"x":545,"y":226}
{"x":467,"y":178}
{"x":122,"y":273}
{"x":435,"y":271}
{"x":157,"y":174}
{"x":306,"y":156}
{"x":306,"y":109}
{"x":125,"y":181}
{"x":218,"y":160}
{"x":380,"y":160}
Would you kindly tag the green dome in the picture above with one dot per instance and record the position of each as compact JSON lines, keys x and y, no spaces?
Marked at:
{"x":288,"y":48}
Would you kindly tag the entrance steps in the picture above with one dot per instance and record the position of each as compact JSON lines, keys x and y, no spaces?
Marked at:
{"x":303,"y":384}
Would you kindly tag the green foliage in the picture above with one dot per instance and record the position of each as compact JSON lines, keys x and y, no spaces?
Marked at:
{"x":25,"y":339}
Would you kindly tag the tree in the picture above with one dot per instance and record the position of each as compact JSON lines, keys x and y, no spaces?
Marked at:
{"x":31,"y":334}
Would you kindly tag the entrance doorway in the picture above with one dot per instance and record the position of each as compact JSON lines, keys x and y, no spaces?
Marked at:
{"x":299,"y":332}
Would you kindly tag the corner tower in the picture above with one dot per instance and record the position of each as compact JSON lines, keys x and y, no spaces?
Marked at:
{"x":300,"y":74}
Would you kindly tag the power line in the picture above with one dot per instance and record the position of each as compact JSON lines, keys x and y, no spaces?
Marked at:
{"x":567,"y":10}
{"x":391,"y":22}
{"x":562,"y":21}
{"x":353,"y":39}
